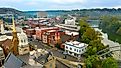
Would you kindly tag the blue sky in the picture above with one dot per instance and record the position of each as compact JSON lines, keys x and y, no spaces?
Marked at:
{"x":59,"y":4}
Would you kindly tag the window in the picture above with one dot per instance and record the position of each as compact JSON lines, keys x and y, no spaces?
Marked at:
{"x":82,"y":49}
{"x":24,"y":41}
{"x":21,"y":41}
{"x":79,"y":50}
{"x":70,"y":48}
{"x":74,"y":49}
{"x":66,"y":47}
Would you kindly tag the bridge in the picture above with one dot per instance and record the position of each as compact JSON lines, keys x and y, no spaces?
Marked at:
{"x":116,"y":50}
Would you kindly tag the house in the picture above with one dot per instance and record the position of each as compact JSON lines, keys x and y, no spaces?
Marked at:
{"x":75,"y":48}
{"x":12,"y":61}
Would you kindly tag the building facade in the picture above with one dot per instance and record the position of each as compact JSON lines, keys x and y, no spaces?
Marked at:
{"x":41,"y":31}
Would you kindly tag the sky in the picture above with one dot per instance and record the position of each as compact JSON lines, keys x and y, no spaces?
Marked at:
{"x":36,"y":5}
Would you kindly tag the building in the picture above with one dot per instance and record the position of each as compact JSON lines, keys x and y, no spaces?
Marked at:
{"x":39,"y":32}
{"x":23,"y":46}
{"x":12,"y":61}
{"x":52,"y":37}
{"x":2,"y":56}
{"x":30,"y":32}
{"x":41,"y":14}
{"x":70,"y":21}
{"x":5,"y":43}
{"x":75,"y":48}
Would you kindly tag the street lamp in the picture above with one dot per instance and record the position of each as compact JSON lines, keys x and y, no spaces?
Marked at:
{"x":65,"y":55}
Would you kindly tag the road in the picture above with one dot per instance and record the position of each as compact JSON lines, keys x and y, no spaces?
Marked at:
{"x":56,"y":52}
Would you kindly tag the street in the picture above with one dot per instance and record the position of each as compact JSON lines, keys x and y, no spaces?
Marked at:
{"x":56,"y":52}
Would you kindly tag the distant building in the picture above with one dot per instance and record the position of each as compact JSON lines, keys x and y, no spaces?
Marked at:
{"x":41,"y":14}
{"x":70,"y":21}
{"x":75,"y":48}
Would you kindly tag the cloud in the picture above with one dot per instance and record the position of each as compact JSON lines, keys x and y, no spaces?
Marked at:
{"x":59,"y":4}
{"x":67,"y":1}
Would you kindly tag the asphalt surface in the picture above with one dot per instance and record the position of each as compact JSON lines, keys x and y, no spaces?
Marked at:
{"x":56,"y":52}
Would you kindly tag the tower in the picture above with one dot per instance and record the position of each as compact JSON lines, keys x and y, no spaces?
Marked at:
{"x":15,"y":41}
{"x":23,"y":47}
{"x":2,"y":27}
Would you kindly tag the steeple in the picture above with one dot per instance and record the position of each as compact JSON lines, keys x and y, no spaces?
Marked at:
{"x":15,"y":41}
{"x":14,"y":28}
{"x":2,"y":27}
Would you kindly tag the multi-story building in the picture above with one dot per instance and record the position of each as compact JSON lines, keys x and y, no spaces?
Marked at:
{"x":30,"y":32}
{"x":39,"y":32}
{"x":75,"y":48}
{"x":52,"y":37}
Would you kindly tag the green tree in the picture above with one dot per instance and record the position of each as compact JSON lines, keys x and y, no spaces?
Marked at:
{"x":109,"y":63}
{"x":83,"y":26}
{"x":90,"y":35}
{"x":93,"y":47}
{"x":93,"y":62}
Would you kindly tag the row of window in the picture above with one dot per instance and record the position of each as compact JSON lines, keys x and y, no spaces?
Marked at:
{"x":23,"y":41}
{"x":75,"y":49}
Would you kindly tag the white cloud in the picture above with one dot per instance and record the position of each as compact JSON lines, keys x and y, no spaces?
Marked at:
{"x":67,"y":1}
{"x":32,"y":3}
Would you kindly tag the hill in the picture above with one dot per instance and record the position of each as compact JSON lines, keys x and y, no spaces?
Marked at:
{"x":10,"y":11}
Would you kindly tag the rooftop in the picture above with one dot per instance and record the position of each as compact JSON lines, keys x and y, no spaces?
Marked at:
{"x":75,"y":43}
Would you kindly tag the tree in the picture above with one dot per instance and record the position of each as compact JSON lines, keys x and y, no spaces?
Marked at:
{"x":93,"y":47}
{"x":83,"y":26}
{"x":93,"y":62}
{"x":109,"y":63}
{"x":90,"y":35}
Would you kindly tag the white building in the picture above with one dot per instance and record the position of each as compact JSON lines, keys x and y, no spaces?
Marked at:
{"x":75,"y":48}
{"x":70,"y":22}
{"x":23,"y":46}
